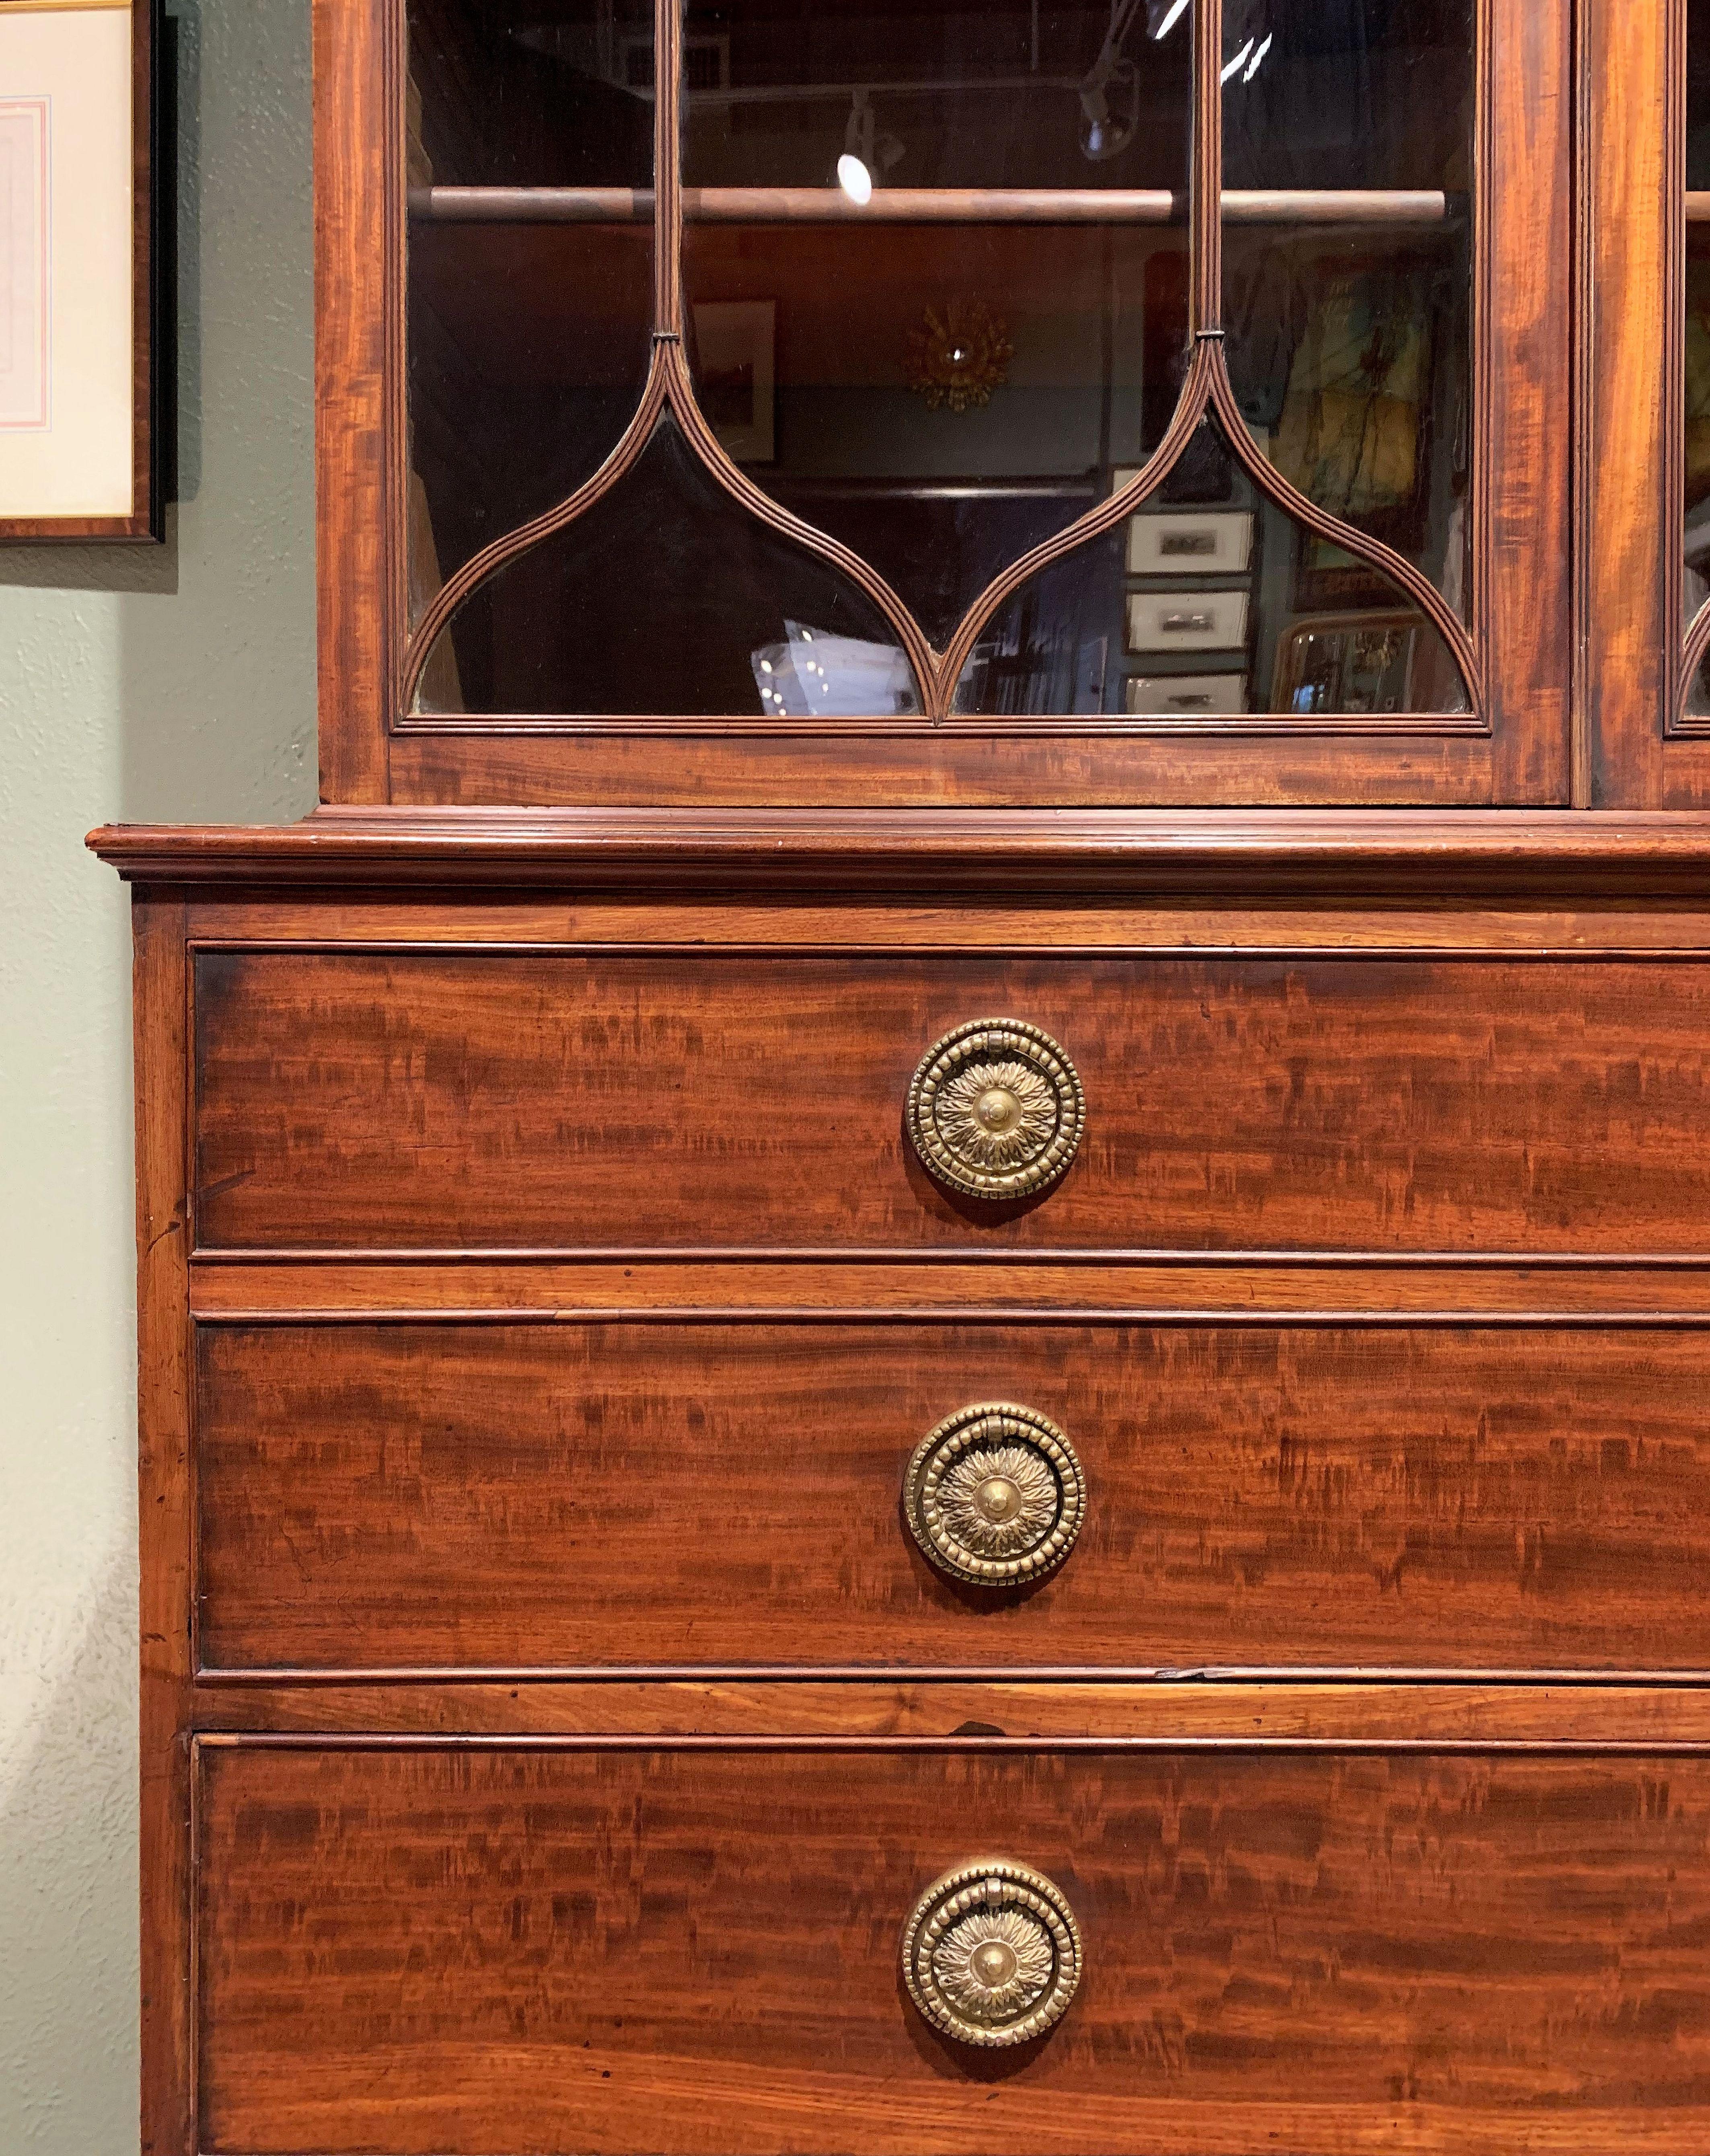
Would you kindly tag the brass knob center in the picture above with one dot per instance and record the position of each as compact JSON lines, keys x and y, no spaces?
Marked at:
{"x":996,"y":1964}
{"x":998,"y":1110}
{"x":997,"y":1498}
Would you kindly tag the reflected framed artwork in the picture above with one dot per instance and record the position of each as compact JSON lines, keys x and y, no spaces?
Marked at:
{"x":736,"y":343}
{"x":79,"y":441}
{"x":1329,"y":579}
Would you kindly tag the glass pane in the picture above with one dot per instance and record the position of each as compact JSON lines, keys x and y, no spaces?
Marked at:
{"x":941,"y":394}
{"x":1698,"y":692}
{"x":530,"y":326}
{"x":1349,"y":322}
{"x":668,"y":597}
{"x":1358,"y":93}
{"x":1211,"y":602}
{"x":1697,"y":437}
{"x":528,"y":354}
{"x":531,"y":92}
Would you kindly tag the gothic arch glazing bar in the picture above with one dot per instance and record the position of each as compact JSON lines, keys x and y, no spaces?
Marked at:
{"x":1350,"y":347}
{"x":1689,"y":390}
{"x":759,"y":391}
{"x":964,"y":265}
{"x":432,"y":662}
{"x":1384,"y":599}
{"x":527,"y":348}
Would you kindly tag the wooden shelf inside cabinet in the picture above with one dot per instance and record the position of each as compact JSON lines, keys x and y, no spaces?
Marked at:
{"x":1405,"y":209}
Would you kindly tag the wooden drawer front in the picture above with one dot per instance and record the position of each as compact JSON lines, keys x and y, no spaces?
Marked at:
{"x":475,"y":1952}
{"x":569,"y":1496}
{"x":435,"y":1100}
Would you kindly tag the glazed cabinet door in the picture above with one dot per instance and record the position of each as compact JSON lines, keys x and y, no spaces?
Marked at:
{"x":1126,"y":401}
{"x":1645,"y":505}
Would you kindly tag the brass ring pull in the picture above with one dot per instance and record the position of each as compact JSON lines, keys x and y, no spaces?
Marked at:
{"x":991,"y":1954}
{"x":995,"y":1111}
{"x":995,"y":1497}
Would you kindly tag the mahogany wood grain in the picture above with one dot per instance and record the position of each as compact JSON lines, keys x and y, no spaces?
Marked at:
{"x":983,"y":861}
{"x":1522,"y":494}
{"x":1609,"y":919}
{"x":1068,"y":1288}
{"x":358,"y":387}
{"x":531,"y":1100}
{"x":1188,"y":1709}
{"x":965,"y":765}
{"x":474,"y":1951}
{"x":1631,"y":495}
{"x":1687,"y":621}
{"x":165,"y":1519}
{"x":1625,"y":488}
{"x":594,"y":1497}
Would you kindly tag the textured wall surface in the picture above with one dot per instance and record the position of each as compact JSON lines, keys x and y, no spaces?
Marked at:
{"x":174,"y":683}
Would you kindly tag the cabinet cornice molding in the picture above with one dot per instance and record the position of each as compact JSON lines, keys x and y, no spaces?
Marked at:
{"x":997,"y":856}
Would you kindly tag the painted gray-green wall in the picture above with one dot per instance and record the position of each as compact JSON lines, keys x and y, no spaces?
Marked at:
{"x":176,"y":684}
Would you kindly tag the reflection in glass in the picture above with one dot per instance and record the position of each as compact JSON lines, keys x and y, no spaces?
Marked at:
{"x":1349,"y":94}
{"x":665,"y":598}
{"x":528,"y":354}
{"x":1697,"y":372}
{"x":1211,"y":602}
{"x":531,"y":92}
{"x":529,"y":340}
{"x":1350,"y":355}
{"x":1000,"y":95}
{"x":940,"y":396}
{"x":813,"y":674}
{"x":1349,"y":343}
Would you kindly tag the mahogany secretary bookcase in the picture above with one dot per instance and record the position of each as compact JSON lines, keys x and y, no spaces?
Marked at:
{"x":925,"y":1307}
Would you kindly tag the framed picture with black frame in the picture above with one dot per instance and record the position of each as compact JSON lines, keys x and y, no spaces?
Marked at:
{"x":80,"y":431}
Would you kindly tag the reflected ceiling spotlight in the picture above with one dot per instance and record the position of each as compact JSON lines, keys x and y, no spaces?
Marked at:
{"x":1162,"y":16}
{"x":867,"y":154}
{"x":1109,"y":96}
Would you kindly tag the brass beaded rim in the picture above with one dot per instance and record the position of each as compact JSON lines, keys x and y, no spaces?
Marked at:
{"x":1027,"y":1149}
{"x":972,"y":1895}
{"x":936,"y":1513}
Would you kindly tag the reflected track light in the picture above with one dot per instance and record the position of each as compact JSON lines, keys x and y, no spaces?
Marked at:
{"x":1109,"y":96}
{"x":855,"y":179}
{"x":867,"y":154}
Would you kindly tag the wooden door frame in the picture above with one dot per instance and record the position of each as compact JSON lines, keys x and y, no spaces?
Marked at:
{"x":1637,"y":748}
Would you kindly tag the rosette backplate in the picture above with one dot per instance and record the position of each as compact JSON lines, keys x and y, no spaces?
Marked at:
{"x":995,"y":1496}
{"x":991,"y":1954}
{"x":995,"y":1111}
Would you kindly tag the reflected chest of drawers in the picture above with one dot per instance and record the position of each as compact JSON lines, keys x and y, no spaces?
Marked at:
{"x":794,"y":1517}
